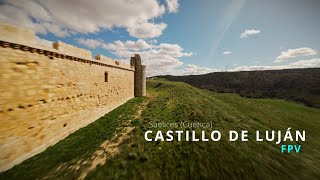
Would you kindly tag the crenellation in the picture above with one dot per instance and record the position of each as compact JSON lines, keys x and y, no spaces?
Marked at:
{"x":12,"y":34}
{"x":64,"y":56}
{"x":72,"y":50}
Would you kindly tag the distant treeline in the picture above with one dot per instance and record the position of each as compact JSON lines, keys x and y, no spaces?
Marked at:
{"x":300,"y":85}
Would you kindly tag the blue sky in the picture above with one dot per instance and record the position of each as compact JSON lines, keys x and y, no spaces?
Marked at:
{"x":181,"y":37}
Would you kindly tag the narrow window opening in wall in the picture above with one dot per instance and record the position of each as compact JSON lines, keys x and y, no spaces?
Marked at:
{"x":106,"y":78}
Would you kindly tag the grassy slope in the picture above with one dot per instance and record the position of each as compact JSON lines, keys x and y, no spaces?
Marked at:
{"x":172,"y":102}
{"x":298,"y":85}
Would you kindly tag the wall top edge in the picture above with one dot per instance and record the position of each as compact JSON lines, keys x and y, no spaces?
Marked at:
{"x":11,"y":36}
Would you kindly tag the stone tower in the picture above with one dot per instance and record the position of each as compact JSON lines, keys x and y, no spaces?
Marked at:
{"x":139,"y":76}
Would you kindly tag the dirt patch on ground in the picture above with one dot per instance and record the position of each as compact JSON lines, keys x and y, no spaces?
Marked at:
{"x":109,"y":148}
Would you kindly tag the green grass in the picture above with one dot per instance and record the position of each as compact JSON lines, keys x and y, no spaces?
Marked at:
{"x":175,"y":102}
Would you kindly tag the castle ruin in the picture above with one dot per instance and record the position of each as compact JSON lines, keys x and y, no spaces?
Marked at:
{"x":49,"y":91}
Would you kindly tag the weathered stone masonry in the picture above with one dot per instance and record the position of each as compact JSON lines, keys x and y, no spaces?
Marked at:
{"x":139,"y":76}
{"x":49,"y":92}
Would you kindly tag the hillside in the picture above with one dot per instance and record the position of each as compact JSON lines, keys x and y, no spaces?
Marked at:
{"x":113,"y":147}
{"x":299,"y":85}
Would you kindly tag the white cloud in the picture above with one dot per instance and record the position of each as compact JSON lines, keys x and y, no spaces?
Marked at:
{"x":249,"y":32}
{"x":226,"y":52}
{"x":191,"y":69}
{"x":43,"y":42}
{"x":159,"y":58}
{"x":195,"y":70}
{"x":309,"y":63}
{"x":146,"y":30}
{"x":153,"y":41}
{"x":13,"y":15}
{"x":185,"y":69}
{"x":64,"y":18}
{"x":291,"y":53}
{"x":173,"y":5}
{"x":256,"y":68}
{"x":173,"y":50}
{"x":118,"y":45}
{"x":161,"y":65}
{"x":91,"y":43}
{"x":163,"y":58}
{"x":127,"y":45}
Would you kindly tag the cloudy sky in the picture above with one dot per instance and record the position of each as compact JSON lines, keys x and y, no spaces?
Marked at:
{"x":181,"y":37}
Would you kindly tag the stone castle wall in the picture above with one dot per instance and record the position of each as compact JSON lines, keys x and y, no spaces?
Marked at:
{"x":48,"y":93}
{"x":139,"y":76}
